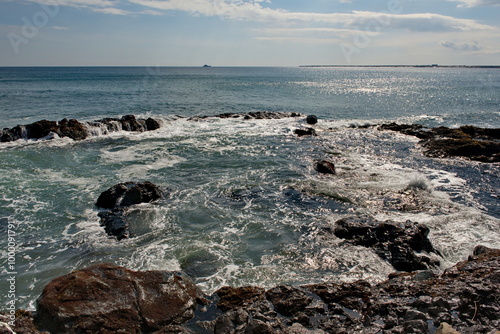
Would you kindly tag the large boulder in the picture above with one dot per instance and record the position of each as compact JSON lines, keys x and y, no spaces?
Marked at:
{"x":105,"y":298}
{"x":405,"y":246}
{"x":127,"y":194}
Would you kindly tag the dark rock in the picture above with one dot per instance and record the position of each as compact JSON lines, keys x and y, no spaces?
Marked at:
{"x":130,"y":123}
{"x":110,"y":299}
{"x":106,"y":298}
{"x":41,"y":129}
{"x":232,"y":298}
{"x":479,"y":144}
{"x":250,"y":115}
{"x":311,"y":119}
{"x":289,"y":300}
{"x":325,"y":167}
{"x":114,"y":223}
{"x":119,"y":197}
{"x":72,"y":129}
{"x":76,"y":130}
{"x":152,"y":124}
{"x":21,"y":324}
{"x":129,"y":193}
{"x":305,"y":132}
{"x":398,"y":244}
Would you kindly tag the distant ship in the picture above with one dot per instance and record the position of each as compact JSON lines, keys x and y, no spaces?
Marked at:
{"x":207,"y":65}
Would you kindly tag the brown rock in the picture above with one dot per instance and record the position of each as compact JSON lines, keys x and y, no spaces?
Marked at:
{"x":107,"y":298}
{"x":445,"y":328}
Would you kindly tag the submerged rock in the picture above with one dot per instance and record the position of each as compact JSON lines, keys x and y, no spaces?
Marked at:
{"x":311,"y":119}
{"x":305,"y":132}
{"x":75,"y":129}
{"x":127,"y":194}
{"x":405,"y":246}
{"x":250,"y":115}
{"x":479,"y":144}
{"x":325,"y":167}
{"x":105,"y":298}
{"x":118,"y":198}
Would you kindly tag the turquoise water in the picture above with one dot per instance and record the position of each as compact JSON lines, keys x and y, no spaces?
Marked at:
{"x":245,"y":204}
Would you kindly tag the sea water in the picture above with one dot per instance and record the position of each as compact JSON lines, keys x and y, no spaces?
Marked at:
{"x":243,"y":204}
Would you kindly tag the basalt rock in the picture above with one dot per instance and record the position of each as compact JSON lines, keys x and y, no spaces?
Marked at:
{"x":105,"y":298}
{"x":110,"y":299}
{"x":479,"y":144}
{"x":311,"y":119}
{"x":117,"y":198}
{"x":250,"y":115}
{"x":75,"y":129}
{"x":404,"y":245}
{"x":129,"y":193}
{"x":305,"y":132}
{"x":325,"y":167}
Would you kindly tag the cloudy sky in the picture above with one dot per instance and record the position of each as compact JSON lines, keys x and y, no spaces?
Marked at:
{"x":248,"y":32}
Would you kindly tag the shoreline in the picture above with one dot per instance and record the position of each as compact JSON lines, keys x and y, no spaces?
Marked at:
{"x":306,"y":305}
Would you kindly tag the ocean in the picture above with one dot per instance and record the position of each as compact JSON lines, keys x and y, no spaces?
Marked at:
{"x":245,"y":205}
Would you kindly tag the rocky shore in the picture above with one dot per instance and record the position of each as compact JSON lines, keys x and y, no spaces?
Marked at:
{"x":471,"y":142}
{"x":417,"y":298}
{"x":105,"y":298}
{"x":77,"y":130}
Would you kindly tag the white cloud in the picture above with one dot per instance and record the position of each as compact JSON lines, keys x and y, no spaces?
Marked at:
{"x":253,"y":10}
{"x":477,"y":3}
{"x":462,"y":46}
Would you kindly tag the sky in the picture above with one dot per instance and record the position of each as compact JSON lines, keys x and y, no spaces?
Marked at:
{"x":249,"y":32}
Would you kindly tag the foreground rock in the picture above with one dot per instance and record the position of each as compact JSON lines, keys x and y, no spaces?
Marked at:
{"x":474,"y":143}
{"x":110,"y":299}
{"x":107,"y":298}
{"x":77,"y":130}
{"x":118,"y":198}
{"x":465,"y":297}
{"x":404,"y":245}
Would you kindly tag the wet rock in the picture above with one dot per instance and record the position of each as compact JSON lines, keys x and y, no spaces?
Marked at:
{"x":250,"y":115}
{"x":289,"y":300}
{"x":127,"y":194}
{"x":110,"y":299}
{"x":445,"y":328}
{"x":471,"y":142}
{"x":114,"y":223}
{"x":107,"y":298}
{"x":305,"y":132}
{"x":117,"y":199}
{"x":22,"y":323}
{"x":402,"y":245}
{"x":232,"y":298}
{"x":152,"y":124}
{"x":75,"y":129}
{"x":311,"y":119}
{"x":325,"y":167}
